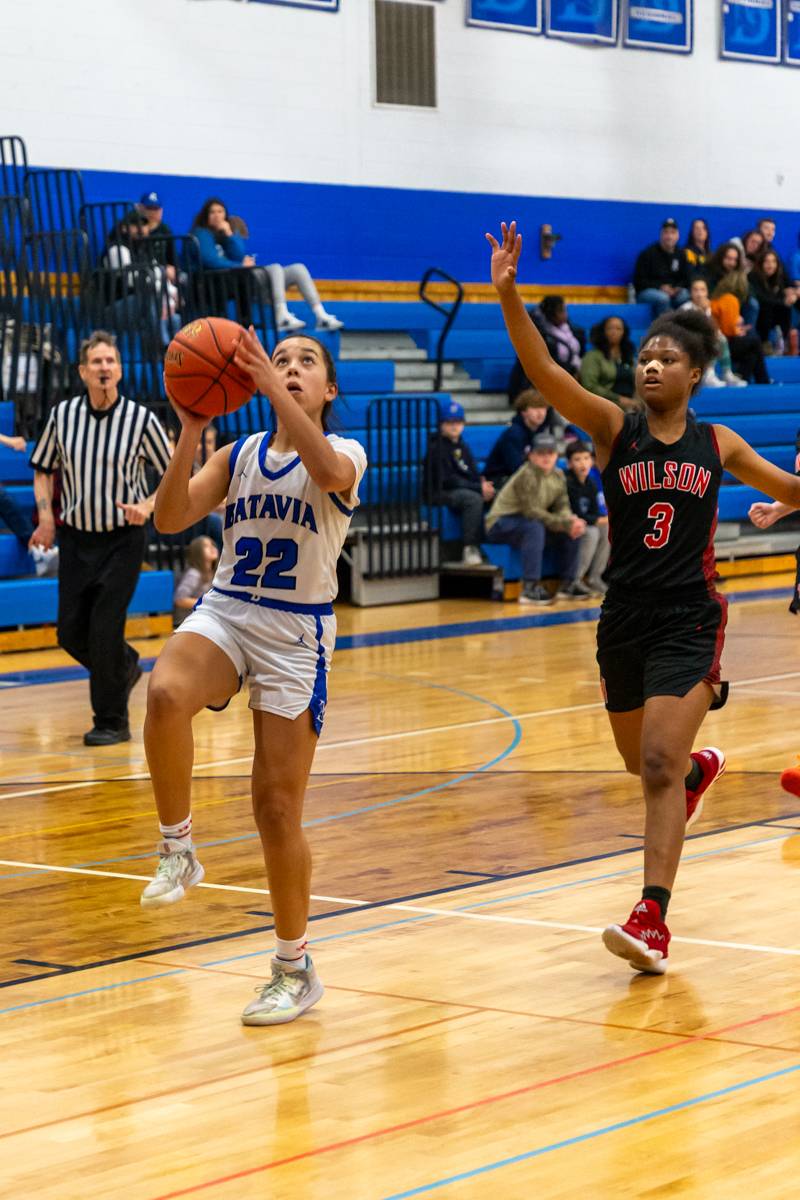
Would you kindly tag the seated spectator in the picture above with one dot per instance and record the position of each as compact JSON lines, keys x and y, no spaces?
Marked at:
{"x":141,"y":281}
{"x":608,"y":370}
{"x":661,"y":274}
{"x":701,"y":302}
{"x":531,"y":511}
{"x":698,"y":247}
{"x":565,"y":341}
{"x":221,"y":249}
{"x":202,"y":557}
{"x":510,"y":451}
{"x":776,"y":297}
{"x":594,"y":546}
{"x":16,"y":520}
{"x":452,"y":478}
{"x":747,"y":354}
{"x":794,"y":267}
{"x":727,"y":275}
{"x":751,"y":246}
{"x":151,"y":208}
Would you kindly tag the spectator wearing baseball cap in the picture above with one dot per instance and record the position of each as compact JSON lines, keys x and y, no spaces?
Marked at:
{"x":586,"y":502}
{"x":452,"y":478}
{"x":532,"y":511}
{"x":151,"y":207}
{"x":662,"y":274}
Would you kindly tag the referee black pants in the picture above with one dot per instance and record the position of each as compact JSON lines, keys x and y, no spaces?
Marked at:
{"x":97,"y":575}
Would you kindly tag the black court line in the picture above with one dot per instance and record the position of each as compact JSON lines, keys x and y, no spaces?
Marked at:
{"x":478,"y":874}
{"x":260,"y":914}
{"x":61,"y":968}
{"x":341,"y":912}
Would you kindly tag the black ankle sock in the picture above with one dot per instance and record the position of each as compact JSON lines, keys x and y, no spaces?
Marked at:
{"x":694,"y":777}
{"x":661,"y":897}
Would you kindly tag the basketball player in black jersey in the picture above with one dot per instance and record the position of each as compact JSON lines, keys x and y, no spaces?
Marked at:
{"x":662,"y":626}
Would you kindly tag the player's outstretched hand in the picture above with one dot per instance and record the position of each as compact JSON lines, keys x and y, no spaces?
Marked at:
{"x":763,"y":515}
{"x":252,"y":357}
{"x":194,"y":423}
{"x":505,"y":256}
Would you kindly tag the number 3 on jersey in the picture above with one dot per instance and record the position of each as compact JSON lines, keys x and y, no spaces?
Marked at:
{"x":662,"y":515}
{"x":250,"y":556}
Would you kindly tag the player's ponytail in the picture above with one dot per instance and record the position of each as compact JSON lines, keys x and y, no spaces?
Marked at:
{"x":693,"y":332}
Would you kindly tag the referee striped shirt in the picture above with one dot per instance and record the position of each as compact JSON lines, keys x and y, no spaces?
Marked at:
{"x":102,"y":455}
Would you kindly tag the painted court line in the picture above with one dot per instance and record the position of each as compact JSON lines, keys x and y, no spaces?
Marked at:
{"x":589,"y":1135}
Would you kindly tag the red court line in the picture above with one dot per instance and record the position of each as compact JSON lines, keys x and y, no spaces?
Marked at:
{"x":415,"y":1122}
{"x":190,"y":1087}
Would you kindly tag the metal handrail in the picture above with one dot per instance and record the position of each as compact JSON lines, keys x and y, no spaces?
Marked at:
{"x":449,"y":313}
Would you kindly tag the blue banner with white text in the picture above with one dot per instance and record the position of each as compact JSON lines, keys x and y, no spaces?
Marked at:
{"x":751,"y":30}
{"x":583,"y":20}
{"x":520,"y":16}
{"x":659,"y":25}
{"x":791,"y":33}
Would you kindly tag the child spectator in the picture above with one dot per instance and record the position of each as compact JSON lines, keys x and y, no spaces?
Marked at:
{"x":701,"y":303}
{"x":510,"y":451}
{"x":531,"y":511}
{"x":584,"y":499}
{"x":202,"y":557}
{"x":608,"y":369}
{"x":661,"y":274}
{"x":775,"y":298}
{"x":698,"y":246}
{"x":221,"y":248}
{"x":452,"y":478}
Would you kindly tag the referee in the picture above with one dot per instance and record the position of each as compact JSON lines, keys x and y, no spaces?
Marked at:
{"x":101,"y":443}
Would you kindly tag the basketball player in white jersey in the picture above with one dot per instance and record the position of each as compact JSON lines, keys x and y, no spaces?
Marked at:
{"x":268,"y":618}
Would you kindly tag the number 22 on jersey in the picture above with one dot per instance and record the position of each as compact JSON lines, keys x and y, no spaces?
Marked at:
{"x":661,"y":515}
{"x":250,"y":554}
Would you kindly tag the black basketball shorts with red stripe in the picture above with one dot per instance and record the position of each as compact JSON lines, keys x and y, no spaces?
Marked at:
{"x":655,"y":647}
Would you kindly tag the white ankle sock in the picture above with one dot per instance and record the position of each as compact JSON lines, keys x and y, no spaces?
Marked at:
{"x":318,"y":310}
{"x":182,"y":832}
{"x":292,"y":953}
{"x":281,"y":312}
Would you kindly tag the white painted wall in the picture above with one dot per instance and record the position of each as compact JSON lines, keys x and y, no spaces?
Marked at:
{"x":253,"y":91}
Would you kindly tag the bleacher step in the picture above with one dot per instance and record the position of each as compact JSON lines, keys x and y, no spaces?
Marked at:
{"x":398,"y":347}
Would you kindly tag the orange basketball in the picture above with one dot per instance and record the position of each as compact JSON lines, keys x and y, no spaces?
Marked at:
{"x":199,"y":371}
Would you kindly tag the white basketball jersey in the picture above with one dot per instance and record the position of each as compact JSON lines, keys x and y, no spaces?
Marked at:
{"x":282,"y":534}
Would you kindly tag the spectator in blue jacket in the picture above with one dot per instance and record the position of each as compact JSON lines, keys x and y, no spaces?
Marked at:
{"x":221,"y":249}
{"x":452,"y":478}
{"x":511,"y":450}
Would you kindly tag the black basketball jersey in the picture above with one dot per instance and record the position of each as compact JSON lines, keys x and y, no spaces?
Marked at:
{"x":662,"y":508}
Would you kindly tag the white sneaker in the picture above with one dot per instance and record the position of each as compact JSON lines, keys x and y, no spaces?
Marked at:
{"x":471,"y":556}
{"x":177,"y":871}
{"x":732,"y":380}
{"x":710,"y":380}
{"x":329,"y":323}
{"x":289,"y":322}
{"x":287,"y":995}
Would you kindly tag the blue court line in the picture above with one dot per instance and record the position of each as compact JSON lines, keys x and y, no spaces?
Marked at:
{"x":105,"y":987}
{"x":591,"y":1134}
{"x":393,"y":637}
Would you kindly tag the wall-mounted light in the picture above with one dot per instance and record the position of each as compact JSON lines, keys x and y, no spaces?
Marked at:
{"x":547,"y":240}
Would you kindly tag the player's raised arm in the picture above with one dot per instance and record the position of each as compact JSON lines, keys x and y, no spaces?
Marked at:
{"x":749,"y":467}
{"x":598,"y":416}
{"x":183,"y":498}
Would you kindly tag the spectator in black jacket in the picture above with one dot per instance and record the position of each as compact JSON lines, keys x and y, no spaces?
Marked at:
{"x":511,"y":450}
{"x":661,"y":276}
{"x":584,"y":500}
{"x":152,"y":209}
{"x":452,"y":478}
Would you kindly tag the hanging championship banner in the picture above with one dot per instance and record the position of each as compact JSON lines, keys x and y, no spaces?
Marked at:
{"x":791,"y":33}
{"x":583,"y":20}
{"x":658,"y":25}
{"x":520,"y":16}
{"x":751,"y":30}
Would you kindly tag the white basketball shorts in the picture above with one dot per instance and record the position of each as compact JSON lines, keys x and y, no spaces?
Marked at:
{"x":285,"y":657}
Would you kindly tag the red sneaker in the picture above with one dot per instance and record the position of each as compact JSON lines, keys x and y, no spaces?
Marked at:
{"x":643,"y":940}
{"x":712,"y":763}
{"x":790,"y":780}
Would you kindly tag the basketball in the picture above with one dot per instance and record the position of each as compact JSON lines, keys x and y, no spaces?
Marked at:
{"x":199,"y":370}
